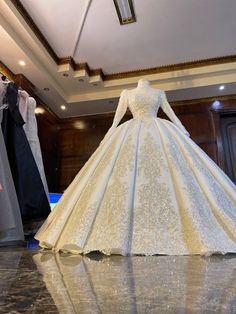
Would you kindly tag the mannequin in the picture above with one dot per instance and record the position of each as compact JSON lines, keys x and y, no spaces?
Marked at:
{"x":147,"y":189}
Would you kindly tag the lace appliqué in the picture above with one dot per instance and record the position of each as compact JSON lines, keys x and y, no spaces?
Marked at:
{"x":111,"y":232}
{"x":198,"y":219}
{"x":156,"y":220}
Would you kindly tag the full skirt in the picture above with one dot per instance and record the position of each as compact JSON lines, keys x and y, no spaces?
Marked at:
{"x":148,"y":189}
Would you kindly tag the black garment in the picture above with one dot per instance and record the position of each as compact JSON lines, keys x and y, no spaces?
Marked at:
{"x":28,"y":184}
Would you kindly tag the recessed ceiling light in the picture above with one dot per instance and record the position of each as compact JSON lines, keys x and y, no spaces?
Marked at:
{"x":63,"y":107}
{"x":221,"y":87}
{"x":22,"y":63}
{"x":65,"y":74}
{"x":46,"y":89}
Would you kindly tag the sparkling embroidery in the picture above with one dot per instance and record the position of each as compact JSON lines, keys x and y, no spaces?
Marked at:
{"x":157,"y":228}
{"x":145,"y":191}
{"x":111,"y":229}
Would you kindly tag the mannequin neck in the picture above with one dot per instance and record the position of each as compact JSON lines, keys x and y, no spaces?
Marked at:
{"x":143,"y":83}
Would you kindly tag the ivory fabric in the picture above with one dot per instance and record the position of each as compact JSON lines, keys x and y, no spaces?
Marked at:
{"x":31,"y":131}
{"x":23,"y":97}
{"x":147,"y":189}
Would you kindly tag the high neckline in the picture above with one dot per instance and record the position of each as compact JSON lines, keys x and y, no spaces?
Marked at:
{"x":143,"y":83}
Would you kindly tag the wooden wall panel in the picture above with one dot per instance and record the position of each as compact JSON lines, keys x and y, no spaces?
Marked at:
{"x":48,"y":129}
{"x":228,"y":130}
{"x":196,"y":118}
{"x":79,"y":137}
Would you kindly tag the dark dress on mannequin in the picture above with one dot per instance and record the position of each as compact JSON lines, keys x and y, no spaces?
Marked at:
{"x":28,"y":184}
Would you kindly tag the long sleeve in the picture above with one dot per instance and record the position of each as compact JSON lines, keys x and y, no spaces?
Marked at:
{"x":121,"y":109}
{"x":120,"y":112}
{"x":165,"y":106}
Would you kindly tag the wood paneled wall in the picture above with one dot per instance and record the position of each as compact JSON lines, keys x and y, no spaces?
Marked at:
{"x":68,"y":143}
{"x":48,"y":131}
{"x":79,"y":137}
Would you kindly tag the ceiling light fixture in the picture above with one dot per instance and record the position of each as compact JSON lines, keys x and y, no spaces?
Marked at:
{"x":222,"y":87}
{"x":22,"y":63}
{"x":125,"y":11}
{"x":63,"y":107}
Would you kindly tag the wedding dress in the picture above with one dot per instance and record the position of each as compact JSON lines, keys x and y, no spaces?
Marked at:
{"x":148,"y":189}
{"x":31,"y":132}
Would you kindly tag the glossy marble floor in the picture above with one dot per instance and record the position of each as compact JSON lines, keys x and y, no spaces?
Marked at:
{"x":34,"y":282}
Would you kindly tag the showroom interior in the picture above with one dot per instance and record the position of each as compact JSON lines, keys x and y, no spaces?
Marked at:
{"x":74,"y":58}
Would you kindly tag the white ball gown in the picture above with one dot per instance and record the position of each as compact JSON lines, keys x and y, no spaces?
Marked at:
{"x":147,"y":189}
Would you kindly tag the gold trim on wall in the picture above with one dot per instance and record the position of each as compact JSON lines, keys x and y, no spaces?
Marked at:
{"x":148,"y":71}
{"x":172,"y":67}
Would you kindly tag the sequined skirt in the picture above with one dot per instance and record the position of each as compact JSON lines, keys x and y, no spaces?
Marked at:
{"x":147,"y":189}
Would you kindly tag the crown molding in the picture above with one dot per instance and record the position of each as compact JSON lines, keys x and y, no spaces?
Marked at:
{"x":114,"y":76}
{"x":80,"y":66}
{"x":142,"y":72}
{"x":172,"y":67}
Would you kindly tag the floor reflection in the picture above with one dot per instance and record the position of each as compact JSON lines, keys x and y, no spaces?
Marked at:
{"x":139,"y":284}
{"x":35,"y":282}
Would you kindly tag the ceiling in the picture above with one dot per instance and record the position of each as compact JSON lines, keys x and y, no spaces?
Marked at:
{"x":79,"y":50}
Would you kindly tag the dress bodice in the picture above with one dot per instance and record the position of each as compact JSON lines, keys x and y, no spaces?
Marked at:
{"x":144,"y":103}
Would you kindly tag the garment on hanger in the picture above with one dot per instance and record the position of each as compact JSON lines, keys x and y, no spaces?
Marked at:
{"x":28,"y":184}
{"x":31,"y":131}
{"x":23,"y":97}
{"x":11,"y":228}
{"x":147,"y":189}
